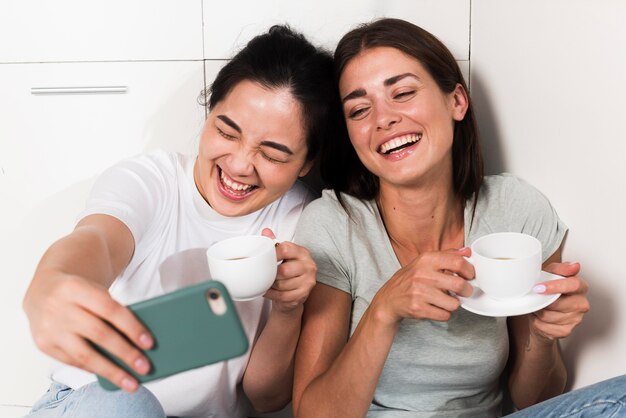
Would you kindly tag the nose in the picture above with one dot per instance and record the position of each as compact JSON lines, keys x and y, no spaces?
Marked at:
{"x":386,"y":117}
{"x":241,"y":163}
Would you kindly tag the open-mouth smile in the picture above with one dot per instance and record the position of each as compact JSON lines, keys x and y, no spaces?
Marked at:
{"x":399,"y":143}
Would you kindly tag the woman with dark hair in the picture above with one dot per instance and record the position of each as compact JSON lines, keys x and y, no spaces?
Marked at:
{"x":382,"y":332}
{"x":270,"y":108}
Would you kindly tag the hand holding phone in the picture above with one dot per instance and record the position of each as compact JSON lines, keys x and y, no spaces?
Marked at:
{"x":192,"y":327}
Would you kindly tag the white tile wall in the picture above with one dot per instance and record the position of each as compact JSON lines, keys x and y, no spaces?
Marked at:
{"x":325,"y":21}
{"x":100,"y":30}
{"x":549,"y":86}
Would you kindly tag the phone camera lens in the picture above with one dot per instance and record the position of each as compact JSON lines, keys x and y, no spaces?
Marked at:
{"x":214,"y":294}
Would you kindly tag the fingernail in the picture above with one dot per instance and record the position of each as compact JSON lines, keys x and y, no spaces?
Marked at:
{"x":571,"y":263}
{"x":145,"y":340}
{"x":540,"y":288}
{"x":141,"y":365}
{"x":129,"y":384}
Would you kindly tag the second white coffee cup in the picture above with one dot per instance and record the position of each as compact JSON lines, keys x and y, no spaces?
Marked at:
{"x":246,"y":265}
{"x":507,"y":264}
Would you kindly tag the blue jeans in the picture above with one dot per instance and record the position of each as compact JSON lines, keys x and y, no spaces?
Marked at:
{"x":94,"y":402}
{"x":603,"y":399}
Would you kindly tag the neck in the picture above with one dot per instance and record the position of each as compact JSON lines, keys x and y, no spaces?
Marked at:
{"x":421,"y":219}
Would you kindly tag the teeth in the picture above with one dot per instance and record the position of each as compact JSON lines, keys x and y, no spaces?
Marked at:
{"x":397,"y":142}
{"x":233,"y":184}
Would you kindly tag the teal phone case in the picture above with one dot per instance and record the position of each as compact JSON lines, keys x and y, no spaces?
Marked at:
{"x":187,"y":332}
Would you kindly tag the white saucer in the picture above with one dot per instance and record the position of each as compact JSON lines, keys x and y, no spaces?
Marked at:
{"x":481,"y":304}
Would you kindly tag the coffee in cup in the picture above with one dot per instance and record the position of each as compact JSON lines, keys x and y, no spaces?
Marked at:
{"x":246,"y":265}
{"x":507,"y":264}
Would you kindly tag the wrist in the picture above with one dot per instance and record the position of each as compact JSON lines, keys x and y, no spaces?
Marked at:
{"x":381,"y":316}
{"x":286,"y":313}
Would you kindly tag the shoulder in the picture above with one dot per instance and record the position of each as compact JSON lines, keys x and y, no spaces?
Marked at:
{"x":508,"y":203}
{"x":328,"y":208}
{"x":508,"y":192}
{"x":154,"y":164}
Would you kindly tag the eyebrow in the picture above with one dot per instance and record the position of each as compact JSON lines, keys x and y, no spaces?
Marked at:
{"x":228,"y":121}
{"x":388,"y":82}
{"x":276,"y":145}
{"x":393,"y":80}
{"x":354,"y":95}
{"x":280,"y":147}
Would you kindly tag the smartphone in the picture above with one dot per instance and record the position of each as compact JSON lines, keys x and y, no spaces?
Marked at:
{"x":192,"y":327}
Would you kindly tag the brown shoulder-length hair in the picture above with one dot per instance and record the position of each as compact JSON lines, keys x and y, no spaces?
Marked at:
{"x":340,"y":166}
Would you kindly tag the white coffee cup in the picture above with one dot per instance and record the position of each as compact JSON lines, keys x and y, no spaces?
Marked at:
{"x":507,"y":264}
{"x":246,"y":265}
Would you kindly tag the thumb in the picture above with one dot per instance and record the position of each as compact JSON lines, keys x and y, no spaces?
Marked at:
{"x":268,"y":233}
{"x":563,"y":269}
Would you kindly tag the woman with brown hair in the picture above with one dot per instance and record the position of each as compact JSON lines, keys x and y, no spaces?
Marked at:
{"x":382,"y":332}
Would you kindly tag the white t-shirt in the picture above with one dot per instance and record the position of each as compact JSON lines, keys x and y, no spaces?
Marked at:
{"x":156,"y":197}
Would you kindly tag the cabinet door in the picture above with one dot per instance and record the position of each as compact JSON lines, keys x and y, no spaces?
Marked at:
{"x":52,"y":146}
{"x":100,"y":30}
{"x":66,"y":122}
{"x":229,"y":27}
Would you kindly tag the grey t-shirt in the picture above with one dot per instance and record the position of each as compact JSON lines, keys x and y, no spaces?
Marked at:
{"x":442,"y":369}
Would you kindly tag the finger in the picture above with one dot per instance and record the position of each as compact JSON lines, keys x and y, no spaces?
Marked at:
{"x":567,"y":285}
{"x":291,"y":297}
{"x":293,"y":268}
{"x":454,"y":262}
{"x":290,"y":251}
{"x":267,"y":232}
{"x":552,"y":330}
{"x":432,"y":312}
{"x":557,"y":317}
{"x":84,"y":356}
{"x":283,"y":285}
{"x":101,"y":333}
{"x":563,"y":269}
{"x":453,"y":283}
{"x":102,"y":305}
{"x":425,"y":294}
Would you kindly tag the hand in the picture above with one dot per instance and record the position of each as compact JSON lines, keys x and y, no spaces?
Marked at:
{"x":295,"y":277}
{"x":66,"y":312}
{"x":426,"y":287}
{"x":559,"y":319}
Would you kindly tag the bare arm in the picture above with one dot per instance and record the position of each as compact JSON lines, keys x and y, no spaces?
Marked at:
{"x":67,"y":302}
{"x":268,"y":379}
{"x":537,"y":368}
{"x":337,"y":376}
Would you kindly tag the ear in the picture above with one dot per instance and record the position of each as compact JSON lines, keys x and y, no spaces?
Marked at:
{"x":306,"y":168}
{"x":460,"y":103}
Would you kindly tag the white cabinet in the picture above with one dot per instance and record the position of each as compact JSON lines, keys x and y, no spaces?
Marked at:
{"x":100,"y":30}
{"x":52,"y":146}
{"x":80,"y":127}
{"x":230,"y":26}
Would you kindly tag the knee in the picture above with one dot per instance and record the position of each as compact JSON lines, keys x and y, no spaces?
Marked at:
{"x":143,"y":403}
{"x":140,"y":404}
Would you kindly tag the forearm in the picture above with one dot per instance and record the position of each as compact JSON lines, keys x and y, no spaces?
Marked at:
{"x":83,"y":253}
{"x":346,"y":389}
{"x":538,"y":372}
{"x":269,"y":376}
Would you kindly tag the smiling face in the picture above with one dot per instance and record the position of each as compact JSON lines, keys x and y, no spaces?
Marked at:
{"x":400,"y":122}
{"x":252,"y":150}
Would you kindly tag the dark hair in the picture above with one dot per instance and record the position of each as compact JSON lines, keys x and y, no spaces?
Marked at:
{"x":281,"y":58}
{"x":340,"y":165}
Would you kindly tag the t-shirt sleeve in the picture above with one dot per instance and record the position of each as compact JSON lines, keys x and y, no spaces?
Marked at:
{"x":534,"y":215}
{"x":133,"y":191}
{"x":322,"y":230}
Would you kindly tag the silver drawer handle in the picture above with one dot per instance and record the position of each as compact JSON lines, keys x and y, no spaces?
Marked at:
{"x":79,"y":90}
